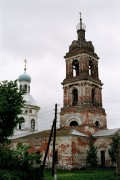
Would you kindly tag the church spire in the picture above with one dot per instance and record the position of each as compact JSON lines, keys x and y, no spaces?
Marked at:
{"x":25,"y":68}
{"x":80,"y":20}
{"x":81,"y":29}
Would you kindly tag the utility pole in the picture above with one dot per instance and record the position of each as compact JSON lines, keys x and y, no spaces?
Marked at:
{"x":54,"y":140}
{"x":43,"y":165}
{"x":54,"y":161}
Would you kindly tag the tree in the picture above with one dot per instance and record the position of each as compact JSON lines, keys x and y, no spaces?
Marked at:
{"x":114,"y":152}
{"x":11,"y":102}
{"x":92,"y":154}
{"x":114,"y":147}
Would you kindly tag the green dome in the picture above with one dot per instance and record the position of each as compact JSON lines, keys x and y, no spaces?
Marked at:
{"x":24,"y":77}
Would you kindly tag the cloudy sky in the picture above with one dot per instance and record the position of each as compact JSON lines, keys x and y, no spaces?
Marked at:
{"x":41,"y":32}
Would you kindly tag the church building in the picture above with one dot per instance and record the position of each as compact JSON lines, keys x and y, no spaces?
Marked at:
{"x":82,"y":115}
{"x":30,"y":111}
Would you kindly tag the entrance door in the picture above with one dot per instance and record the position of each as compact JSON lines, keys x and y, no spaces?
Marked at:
{"x":102,"y":158}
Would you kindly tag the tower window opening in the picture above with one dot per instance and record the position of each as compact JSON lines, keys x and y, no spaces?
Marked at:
{"x":90,"y":67}
{"x":25,"y":87}
{"x":74,"y":123}
{"x":33,"y":125}
{"x":93,"y":96}
{"x":20,"y":87}
{"x":74,"y":97}
{"x":75,"y":68}
{"x":97,"y":124}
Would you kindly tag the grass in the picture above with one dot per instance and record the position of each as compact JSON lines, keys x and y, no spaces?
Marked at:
{"x":88,"y":174}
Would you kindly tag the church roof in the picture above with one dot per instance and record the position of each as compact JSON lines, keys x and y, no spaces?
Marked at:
{"x":106,"y":132}
{"x":77,"y":133}
{"x":24,"y":77}
{"x":29,"y":100}
{"x":46,"y":133}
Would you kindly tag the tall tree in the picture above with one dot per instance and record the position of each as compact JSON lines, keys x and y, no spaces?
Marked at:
{"x":11,"y":102}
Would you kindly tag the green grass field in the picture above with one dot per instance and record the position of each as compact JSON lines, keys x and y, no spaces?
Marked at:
{"x":89,"y":174}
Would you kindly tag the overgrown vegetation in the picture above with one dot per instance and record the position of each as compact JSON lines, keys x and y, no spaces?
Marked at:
{"x":92,"y":158}
{"x":114,"y":147}
{"x":18,"y":164}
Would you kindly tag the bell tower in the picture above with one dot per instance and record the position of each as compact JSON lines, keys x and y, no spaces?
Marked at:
{"x":82,"y":88}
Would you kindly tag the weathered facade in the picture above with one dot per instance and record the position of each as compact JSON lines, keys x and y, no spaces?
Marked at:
{"x":82,"y":87}
{"x":82,"y":115}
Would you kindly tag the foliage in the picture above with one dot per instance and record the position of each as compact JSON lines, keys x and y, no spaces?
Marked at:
{"x":18,"y":163}
{"x":11,"y":102}
{"x":114,"y":147}
{"x":92,"y":154}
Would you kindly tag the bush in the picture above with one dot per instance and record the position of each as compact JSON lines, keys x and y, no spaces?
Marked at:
{"x":92,"y":155}
{"x":18,"y":164}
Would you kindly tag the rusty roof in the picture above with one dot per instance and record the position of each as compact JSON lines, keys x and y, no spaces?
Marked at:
{"x":46,"y":133}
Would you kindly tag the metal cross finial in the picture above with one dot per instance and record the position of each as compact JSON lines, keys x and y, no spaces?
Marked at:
{"x":25,"y":61}
{"x":80,"y":16}
{"x":80,"y":20}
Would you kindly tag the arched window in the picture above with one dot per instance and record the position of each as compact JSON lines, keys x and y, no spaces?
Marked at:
{"x":74,"y":123}
{"x":74,"y":97}
{"x":19,"y":125}
{"x":90,"y":67}
{"x":93,"y":96}
{"x":75,"y":68}
{"x":25,"y":87}
{"x":21,"y":120}
{"x":32,"y":124}
{"x":97,"y":123}
{"x":29,"y":88}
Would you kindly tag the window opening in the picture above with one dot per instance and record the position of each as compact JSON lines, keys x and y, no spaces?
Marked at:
{"x":22,"y":120}
{"x":20,"y":87}
{"x":90,"y":67}
{"x":30,"y":110}
{"x":19,"y":125}
{"x":33,"y":125}
{"x":75,"y":68}
{"x":25,"y":87}
{"x":93,"y":96}
{"x":73,"y":123}
{"x":97,"y":123}
{"x":75,"y":96}
{"x":102,"y":158}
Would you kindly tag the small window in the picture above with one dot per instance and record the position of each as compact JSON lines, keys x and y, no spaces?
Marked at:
{"x":73,"y":123}
{"x":21,"y":120}
{"x":30,"y":111}
{"x":74,"y":97}
{"x":97,"y":124}
{"x":75,"y":68}
{"x":33,"y":125}
{"x":19,"y":126}
{"x":26,"y":111}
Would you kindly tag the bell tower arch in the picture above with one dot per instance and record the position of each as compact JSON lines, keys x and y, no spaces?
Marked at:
{"x":82,"y":87}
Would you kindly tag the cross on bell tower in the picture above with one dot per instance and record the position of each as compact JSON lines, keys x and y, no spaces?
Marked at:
{"x":82,"y":88}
